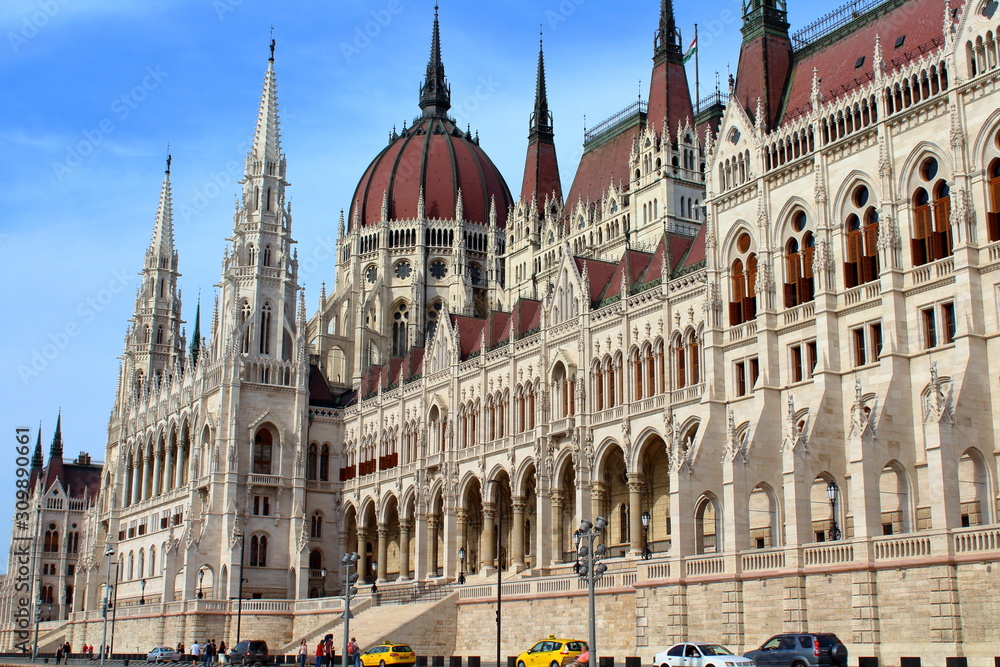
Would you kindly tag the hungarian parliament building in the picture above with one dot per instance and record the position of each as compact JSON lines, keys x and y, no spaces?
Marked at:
{"x":745,"y":337}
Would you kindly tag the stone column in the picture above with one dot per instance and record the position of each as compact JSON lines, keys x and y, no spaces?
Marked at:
{"x":598,"y":494}
{"x":383,"y":550}
{"x":404,"y":550}
{"x":362,"y":554}
{"x":635,"y":486}
{"x":157,"y":468}
{"x":136,"y":482}
{"x":518,"y":506}
{"x":147,"y":481}
{"x":433,"y":523}
{"x":556,"y":502}
{"x":168,"y":472}
{"x":489,"y":543}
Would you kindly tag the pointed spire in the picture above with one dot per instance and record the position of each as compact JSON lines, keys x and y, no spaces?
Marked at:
{"x":163,"y":229}
{"x":56,"y":450}
{"x":435,"y":94}
{"x":38,"y":461}
{"x":267,"y":137}
{"x":541,"y":118}
{"x":667,"y":38}
{"x":196,"y":334}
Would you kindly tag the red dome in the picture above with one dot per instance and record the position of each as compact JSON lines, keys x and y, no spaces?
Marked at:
{"x":435,"y":155}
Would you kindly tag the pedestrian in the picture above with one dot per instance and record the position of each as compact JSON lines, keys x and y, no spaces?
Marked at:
{"x":320,"y":652}
{"x":180,"y":648}
{"x":107,"y":651}
{"x":59,"y":654}
{"x":329,"y":649}
{"x":195,"y":653}
{"x":303,"y":652}
{"x":354,"y":652}
{"x":221,"y":653}
{"x":209,"y":653}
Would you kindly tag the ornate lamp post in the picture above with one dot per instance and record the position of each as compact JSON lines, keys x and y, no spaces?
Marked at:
{"x":349,"y":577}
{"x":831,"y":492}
{"x":201,"y":578}
{"x":239,"y":609}
{"x":647,"y":553}
{"x":142,"y":592}
{"x":461,"y":565}
{"x":108,"y":553}
{"x":591,"y":569}
{"x":322,"y":573}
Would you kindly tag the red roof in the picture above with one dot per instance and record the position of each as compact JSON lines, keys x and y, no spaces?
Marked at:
{"x":437,"y":156}
{"x":919,"y":21}
{"x":601,"y":166}
{"x":669,"y":96}
{"x":541,"y":173}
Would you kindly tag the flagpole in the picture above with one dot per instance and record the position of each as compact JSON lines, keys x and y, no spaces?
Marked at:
{"x":697,"y":83}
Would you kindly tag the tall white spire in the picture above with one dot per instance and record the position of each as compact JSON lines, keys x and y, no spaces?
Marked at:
{"x":163,"y":230}
{"x":267,"y":137}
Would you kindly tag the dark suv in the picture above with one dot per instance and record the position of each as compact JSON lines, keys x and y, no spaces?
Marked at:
{"x":801,"y":649}
{"x":249,"y":652}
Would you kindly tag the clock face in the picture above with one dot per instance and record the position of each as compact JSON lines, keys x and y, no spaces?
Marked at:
{"x":403,"y":270}
{"x":371,"y":274}
{"x":439,"y":269}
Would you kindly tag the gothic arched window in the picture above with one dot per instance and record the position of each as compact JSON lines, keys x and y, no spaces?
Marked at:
{"x":324,"y":463}
{"x":993,"y":216}
{"x":316,"y":526}
{"x":799,"y":262}
{"x":262,"y":452}
{"x":861,"y":227}
{"x":400,"y":322}
{"x":931,"y":239}
{"x":743,"y":300}
{"x":311,"y":461}
{"x":265,"y":329}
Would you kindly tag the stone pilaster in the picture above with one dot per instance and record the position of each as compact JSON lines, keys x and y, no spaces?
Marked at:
{"x":796,"y":612}
{"x":865,"y":613}
{"x":732,"y":614}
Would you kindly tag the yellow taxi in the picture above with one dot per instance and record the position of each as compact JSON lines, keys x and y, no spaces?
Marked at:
{"x":388,"y":653}
{"x":552,"y":652}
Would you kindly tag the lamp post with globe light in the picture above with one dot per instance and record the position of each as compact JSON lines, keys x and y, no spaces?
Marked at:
{"x":461,"y":566}
{"x":108,"y":553}
{"x":591,"y":569}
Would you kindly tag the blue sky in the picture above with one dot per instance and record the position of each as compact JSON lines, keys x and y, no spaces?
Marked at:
{"x":95,"y":90}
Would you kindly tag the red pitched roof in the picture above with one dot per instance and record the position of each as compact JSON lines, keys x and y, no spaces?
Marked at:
{"x":919,"y":21}
{"x":470,"y":332}
{"x":599,"y":274}
{"x":319,"y":390}
{"x":601,"y":166}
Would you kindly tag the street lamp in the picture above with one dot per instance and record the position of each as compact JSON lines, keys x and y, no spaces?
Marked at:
{"x":499,"y":531}
{"x":38,"y":619}
{"x":831,"y":492}
{"x":201,"y":578}
{"x":375,"y":583}
{"x":461,"y":565}
{"x":239,"y":608}
{"x":647,"y":553}
{"x":108,"y":553}
{"x":349,"y":577}
{"x":142,"y":592}
{"x":322,"y":573}
{"x":591,"y":569}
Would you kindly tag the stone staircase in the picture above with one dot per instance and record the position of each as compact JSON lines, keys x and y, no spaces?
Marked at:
{"x":429,"y":627}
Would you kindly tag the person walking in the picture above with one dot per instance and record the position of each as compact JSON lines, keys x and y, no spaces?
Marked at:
{"x":209,"y":653}
{"x":353,"y":652}
{"x":328,"y":652}
{"x":221,"y":653}
{"x":303,"y":652}
{"x":195,"y":653}
{"x":320,"y":652}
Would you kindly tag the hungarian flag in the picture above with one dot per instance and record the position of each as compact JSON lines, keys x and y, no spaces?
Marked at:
{"x":691,"y":50}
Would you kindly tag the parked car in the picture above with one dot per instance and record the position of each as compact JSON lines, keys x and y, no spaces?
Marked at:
{"x":388,"y":653}
{"x":163,"y":654}
{"x":800,"y":649}
{"x":250,"y":652}
{"x":552,"y":652}
{"x":698,"y":654}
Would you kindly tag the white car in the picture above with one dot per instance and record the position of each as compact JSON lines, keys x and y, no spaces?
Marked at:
{"x":163,"y":654}
{"x":697,"y":654}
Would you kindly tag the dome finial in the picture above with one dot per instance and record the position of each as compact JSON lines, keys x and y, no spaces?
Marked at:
{"x":271,"y":59}
{"x":435,"y":94}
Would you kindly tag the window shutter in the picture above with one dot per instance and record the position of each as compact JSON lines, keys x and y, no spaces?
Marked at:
{"x":871,"y":240}
{"x":921,"y":222}
{"x":942,"y":214}
{"x":854,"y":246}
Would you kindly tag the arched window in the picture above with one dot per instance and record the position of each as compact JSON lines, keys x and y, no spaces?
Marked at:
{"x":993,"y":216}
{"x":251,"y":255}
{"x":265,"y":329}
{"x":861,"y":227}
{"x":743,"y":303}
{"x":400,"y":323}
{"x":433,"y":314}
{"x":324,"y":463}
{"x":73,"y":543}
{"x":694,"y":358}
{"x":315,"y":560}
{"x":159,"y":335}
{"x":316,"y":526}
{"x":267,"y":255}
{"x":311,"y":461}
{"x":931,"y":216}
{"x":262,"y":442}
{"x":681,"y":355}
{"x":131,"y":566}
{"x":142,"y":562}
{"x":706,"y":527}
{"x":152,"y":561}
{"x":258,"y":551}
{"x":51,"y":542}
{"x":244,"y":319}
{"x":799,"y":262}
